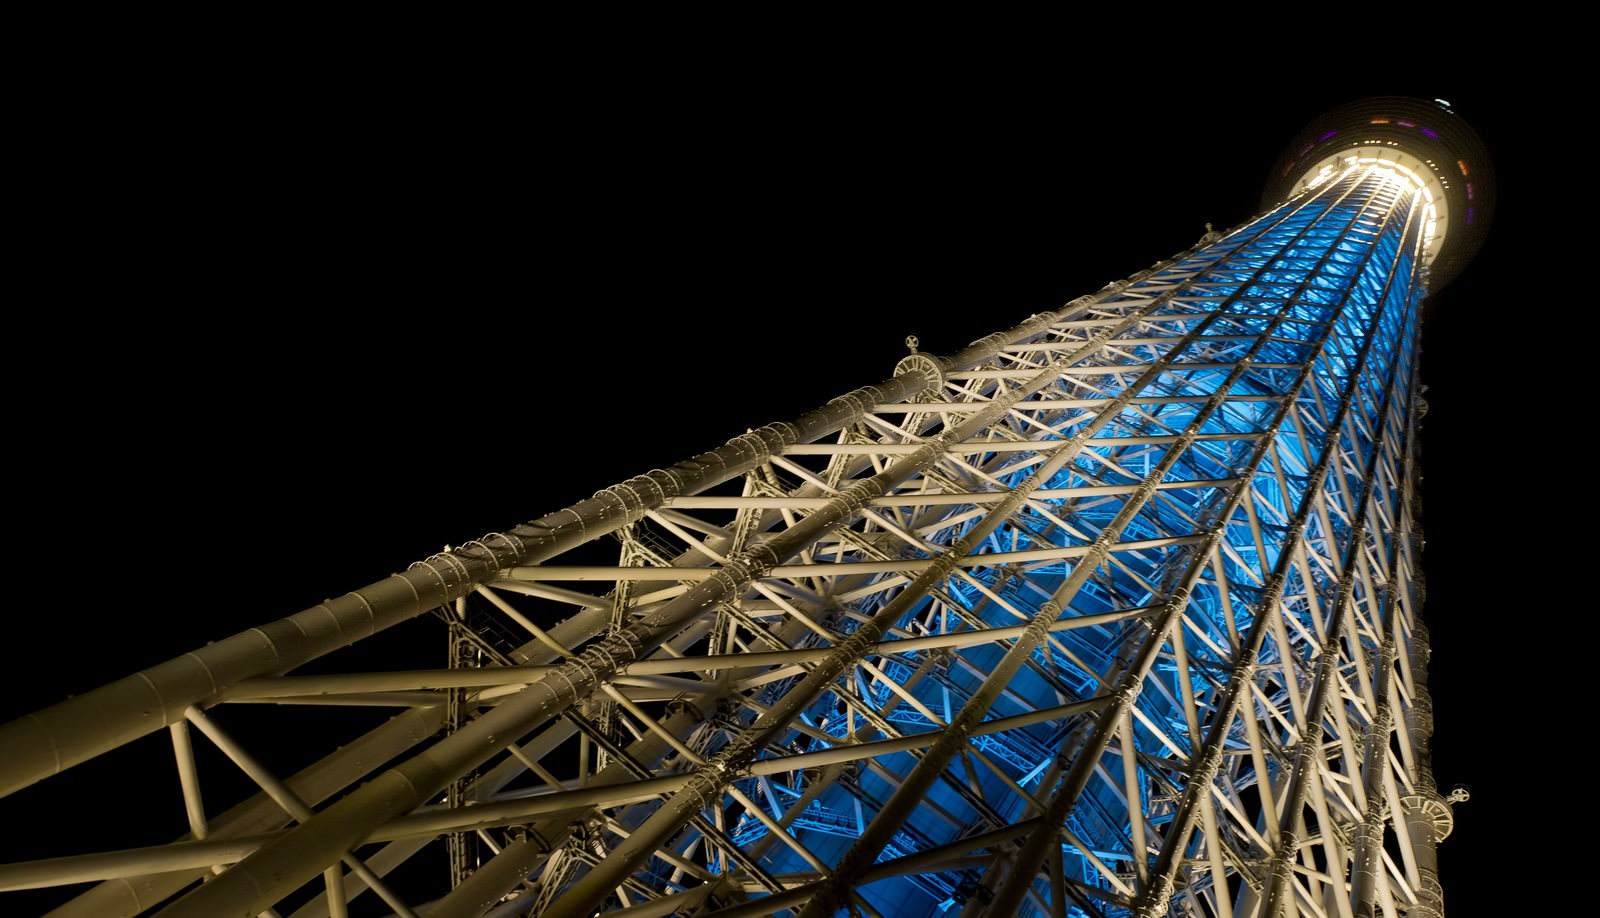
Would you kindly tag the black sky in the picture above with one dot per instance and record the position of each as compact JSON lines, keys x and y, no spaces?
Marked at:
{"x":342,"y":323}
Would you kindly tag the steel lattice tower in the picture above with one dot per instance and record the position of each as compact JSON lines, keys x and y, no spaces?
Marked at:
{"x":1114,"y":612}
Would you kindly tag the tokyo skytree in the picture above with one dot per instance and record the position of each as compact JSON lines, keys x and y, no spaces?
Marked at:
{"x":1116,"y":611}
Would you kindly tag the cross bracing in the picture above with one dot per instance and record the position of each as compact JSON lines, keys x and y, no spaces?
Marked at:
{"x":1115,"y":612}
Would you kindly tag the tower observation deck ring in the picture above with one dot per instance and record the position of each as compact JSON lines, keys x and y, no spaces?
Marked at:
{"x":1424,"y":139}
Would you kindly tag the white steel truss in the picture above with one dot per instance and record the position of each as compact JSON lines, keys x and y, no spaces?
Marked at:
{"x":1116,"y":612}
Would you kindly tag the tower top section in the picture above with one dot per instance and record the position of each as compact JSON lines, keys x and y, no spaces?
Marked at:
{"x":1422,"y":139}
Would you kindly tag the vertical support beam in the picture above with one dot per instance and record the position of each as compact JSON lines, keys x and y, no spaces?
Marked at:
{"x":1058,"y":882}
{"x":1423,"y":813}
{"x":461,"y":654}
{"x":1374,"y":768}
{"x":1135,"y":796}
{"x":193,"y":805}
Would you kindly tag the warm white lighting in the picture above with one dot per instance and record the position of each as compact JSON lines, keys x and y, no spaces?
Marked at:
{"x":1389,"y":162}
{"x":1320,"y":177}
{"x":1409,"y":180}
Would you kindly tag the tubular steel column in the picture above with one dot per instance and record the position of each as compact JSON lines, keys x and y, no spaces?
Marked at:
{"x":1114,"y":613}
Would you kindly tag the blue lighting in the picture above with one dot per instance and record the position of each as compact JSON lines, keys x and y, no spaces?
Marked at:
{"x":1327,"y":287}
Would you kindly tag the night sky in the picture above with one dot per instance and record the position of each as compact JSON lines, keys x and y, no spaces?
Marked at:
{"x":337,"y":328}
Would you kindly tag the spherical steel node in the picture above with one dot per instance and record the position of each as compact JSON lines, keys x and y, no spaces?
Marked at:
{"x":1422,"y":137}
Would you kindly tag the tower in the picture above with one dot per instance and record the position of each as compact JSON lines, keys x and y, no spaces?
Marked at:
{"x":1156,"y":545}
